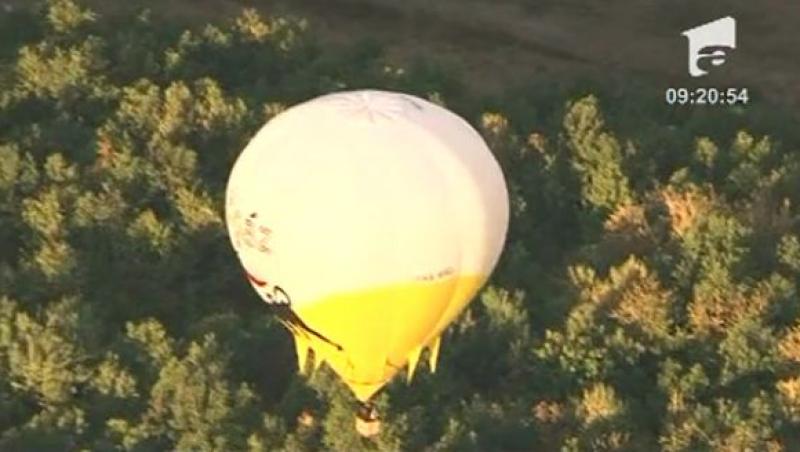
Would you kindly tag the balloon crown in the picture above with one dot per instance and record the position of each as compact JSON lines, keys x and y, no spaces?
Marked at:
{"x":372,"y":105}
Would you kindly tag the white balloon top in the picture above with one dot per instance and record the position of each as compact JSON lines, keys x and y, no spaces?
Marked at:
{"x":361,"y":189}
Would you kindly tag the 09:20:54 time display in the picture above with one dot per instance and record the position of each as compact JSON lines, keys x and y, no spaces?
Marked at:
{"x":707,"y":96}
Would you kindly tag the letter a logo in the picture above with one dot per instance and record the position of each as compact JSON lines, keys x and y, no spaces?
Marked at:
{"x":710,"y":44}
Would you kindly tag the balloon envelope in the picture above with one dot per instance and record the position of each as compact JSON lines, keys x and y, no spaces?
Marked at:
{"x":376,"y":216}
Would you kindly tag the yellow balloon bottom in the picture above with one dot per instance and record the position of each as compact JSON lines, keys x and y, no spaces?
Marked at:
{"x":380,"y":330}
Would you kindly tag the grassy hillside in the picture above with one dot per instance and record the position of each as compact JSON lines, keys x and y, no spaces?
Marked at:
{"x":533,"y":40}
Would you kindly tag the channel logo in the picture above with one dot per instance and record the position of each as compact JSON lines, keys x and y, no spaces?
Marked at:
{"x":710,"y":44}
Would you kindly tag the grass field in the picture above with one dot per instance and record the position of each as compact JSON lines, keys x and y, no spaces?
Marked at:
{"x":497,"y":43}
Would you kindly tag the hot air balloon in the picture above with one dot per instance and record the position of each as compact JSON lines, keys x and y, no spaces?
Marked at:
{"x":367,"y":220}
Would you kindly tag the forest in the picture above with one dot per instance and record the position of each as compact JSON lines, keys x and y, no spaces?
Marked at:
{"x":646,"y":299}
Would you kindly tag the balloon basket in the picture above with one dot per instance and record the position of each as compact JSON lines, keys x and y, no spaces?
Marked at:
{"x":367,"y":422}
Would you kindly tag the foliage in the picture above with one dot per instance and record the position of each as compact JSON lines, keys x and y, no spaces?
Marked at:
{"x":647,"y":297}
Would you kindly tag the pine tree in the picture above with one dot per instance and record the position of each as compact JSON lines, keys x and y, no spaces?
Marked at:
{"x":596,"y":156}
